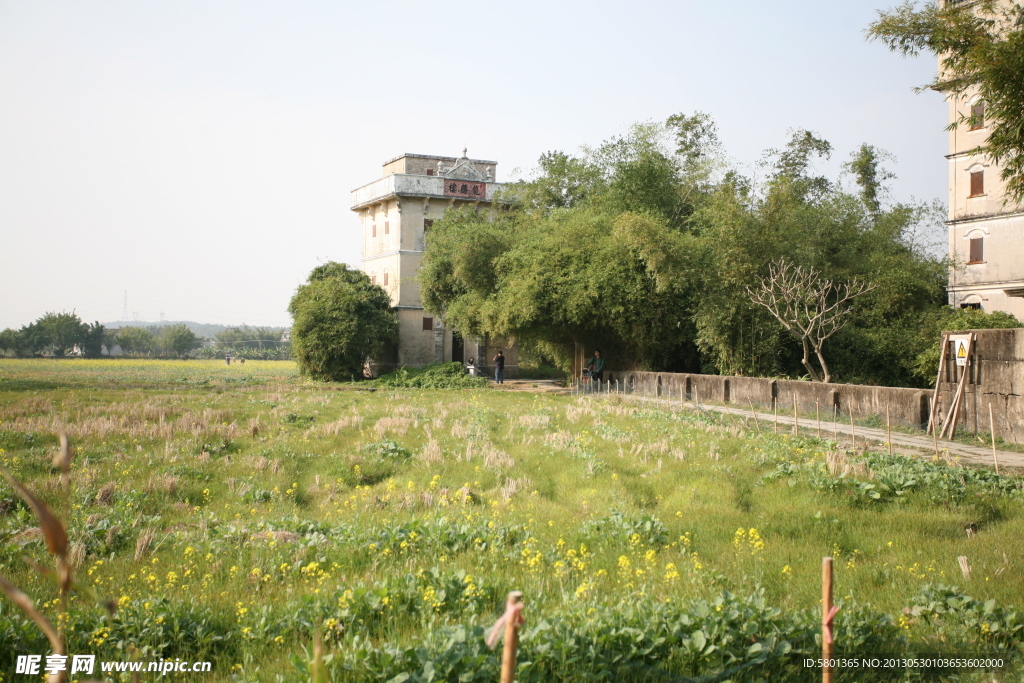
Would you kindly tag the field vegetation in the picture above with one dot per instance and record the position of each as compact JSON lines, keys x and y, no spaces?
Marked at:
{"x":236,"y":513}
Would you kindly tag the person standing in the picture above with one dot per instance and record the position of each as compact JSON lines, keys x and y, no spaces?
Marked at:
{"x":499,"y":367}
{"x":596,"y":366}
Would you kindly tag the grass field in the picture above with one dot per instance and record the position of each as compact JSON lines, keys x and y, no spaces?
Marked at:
{"x":232,"y":512}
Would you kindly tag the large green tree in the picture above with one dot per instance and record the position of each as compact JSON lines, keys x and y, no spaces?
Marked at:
{"x":980,"y":46}
{"x":136,"y":340}
{"x":645,"y":246}
{"x":178,"y":339}
{"x":341,"y":321}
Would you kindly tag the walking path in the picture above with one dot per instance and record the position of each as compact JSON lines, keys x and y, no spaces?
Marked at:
{"x":977,"y":455}
{"x":909,"y":444}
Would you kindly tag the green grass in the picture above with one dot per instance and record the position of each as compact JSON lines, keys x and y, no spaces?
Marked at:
{"x":234,"y":510}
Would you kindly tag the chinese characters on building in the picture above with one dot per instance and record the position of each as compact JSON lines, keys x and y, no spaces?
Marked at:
{"x":465,"y":188}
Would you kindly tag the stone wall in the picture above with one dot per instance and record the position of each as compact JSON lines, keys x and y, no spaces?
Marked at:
{"x":907,"y":407}
{"x":996,"y":377}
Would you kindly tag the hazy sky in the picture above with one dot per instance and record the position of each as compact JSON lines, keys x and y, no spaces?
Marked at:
{"x":200,"y":155}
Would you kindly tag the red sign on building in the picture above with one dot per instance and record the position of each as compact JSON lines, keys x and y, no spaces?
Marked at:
{"x":465,"y":188}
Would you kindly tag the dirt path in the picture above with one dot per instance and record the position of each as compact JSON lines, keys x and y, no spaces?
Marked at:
{"x":910,"y":444}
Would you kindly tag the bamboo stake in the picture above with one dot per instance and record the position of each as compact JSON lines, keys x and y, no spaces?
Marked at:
{"x":888,"y":428}
{"x":853,"y":430}
{"x":817,"y":412}
{"x":935,"y":441}
{"x":775,"y":404}
{"x":835,"y":423}
{"x":992,"y":426}
{"x":796,"y":417}
{"x":826,"y":619}
{"x":508,"y":653}
{"x":756,"y":423}
{"x":938,"y":381}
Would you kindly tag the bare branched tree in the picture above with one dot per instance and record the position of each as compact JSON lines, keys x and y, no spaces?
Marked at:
{"x":810,"y":307}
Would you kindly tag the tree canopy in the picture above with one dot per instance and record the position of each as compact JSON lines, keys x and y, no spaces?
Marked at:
{"x":980,"y":46}
{"x":341,"y":320}
{"x":645,"y":245}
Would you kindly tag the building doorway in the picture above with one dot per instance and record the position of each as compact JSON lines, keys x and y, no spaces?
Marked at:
{"x":458,"y":348}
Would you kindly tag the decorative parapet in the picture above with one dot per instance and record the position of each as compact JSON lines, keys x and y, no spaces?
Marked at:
{"x":407,"y":185}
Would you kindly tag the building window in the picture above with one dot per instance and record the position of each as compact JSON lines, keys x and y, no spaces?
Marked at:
{"x":385,"y":278}
{"x":373,"y":230}
{"x":430,"y":171}
{"x":373,"y":279}
{"x":977,"y":116}
{"x":977,"y":250}
{"x":427,"y":224}
{"x":972,"y":306}
{"x":977,"y":183}
{"x":428,"y":324}
{"x":387,"y":227}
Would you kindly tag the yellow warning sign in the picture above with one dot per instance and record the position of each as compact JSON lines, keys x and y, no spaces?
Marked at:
{"x":961,"y":351}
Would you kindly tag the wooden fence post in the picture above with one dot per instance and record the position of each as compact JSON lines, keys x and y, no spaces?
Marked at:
{"x":888,"y":428}
{"x":796,"y":417}
{"x":817,"y":412}
{"x":827,"y":613}
{"x":992,"y":427}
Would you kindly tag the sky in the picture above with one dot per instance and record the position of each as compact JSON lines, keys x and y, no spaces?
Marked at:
{"x":199,"y":155}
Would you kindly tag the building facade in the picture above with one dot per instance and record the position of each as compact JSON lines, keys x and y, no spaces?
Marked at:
{"x":986,"y":235}
{"x":395,"y":215}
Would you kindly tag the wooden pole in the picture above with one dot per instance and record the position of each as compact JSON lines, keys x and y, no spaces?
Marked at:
{"x":817,"y":412}
{"x":888,"y":428}
{"x":775,"y":405}
{"x":992,"y":427}
{"x":756,"y":423}
{"x":835,"y":423}
{"x":826,"y":618}
{"x":508,"y":654}
{"x":938,"y":382}
{"x":935,"y":441}
{"x":853,"y":430}
{"x":796,"y":417}
{"x":949,"y":429}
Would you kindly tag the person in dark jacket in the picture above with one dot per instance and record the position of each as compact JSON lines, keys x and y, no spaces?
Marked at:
{"x":596,"y":366}
{"x":499,"y":367}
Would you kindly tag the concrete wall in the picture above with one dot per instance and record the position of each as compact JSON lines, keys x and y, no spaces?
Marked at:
{"x":995,"y":376}
{"x":907,"y":407}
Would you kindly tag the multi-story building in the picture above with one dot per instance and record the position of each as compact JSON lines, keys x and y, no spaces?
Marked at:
{"x":395,"y":214}
{"x":986,"y":235}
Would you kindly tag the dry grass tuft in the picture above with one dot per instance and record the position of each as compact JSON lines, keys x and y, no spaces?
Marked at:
{"x":338,"y":426}
{"x":574,"y":413}
{"x":106,"y":493}
{"x":513,"y":486}
{"x":461,"y":430}
{"x":431,"y":453}
{"x":77,"y":555}
{"x":396,"y":425}
{"x":535,"y":421}
{"x":143,"y":542}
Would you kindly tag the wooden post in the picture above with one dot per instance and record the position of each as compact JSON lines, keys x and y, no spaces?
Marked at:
{"x":853,"y":430}
{"x":935,"y":441}
{"x":835,"y":423}
{"x":796,"y":417}
{"x":888,"y":428}
{"x":938,"y":381}
{"x":775,"y":405}
{"x":756,"y":423}
{"x":949,"y":428}
{"x":826,"y":618}
{"x":817,"y":412}
{"x":682,"y":395}
{"x":992,"y":426}
{"x":508,"y":654}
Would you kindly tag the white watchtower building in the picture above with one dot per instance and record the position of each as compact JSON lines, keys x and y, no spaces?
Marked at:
{"x":396,"y":213}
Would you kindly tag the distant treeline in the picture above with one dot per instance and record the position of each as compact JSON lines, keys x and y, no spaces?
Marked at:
{"x":65,"y":334}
